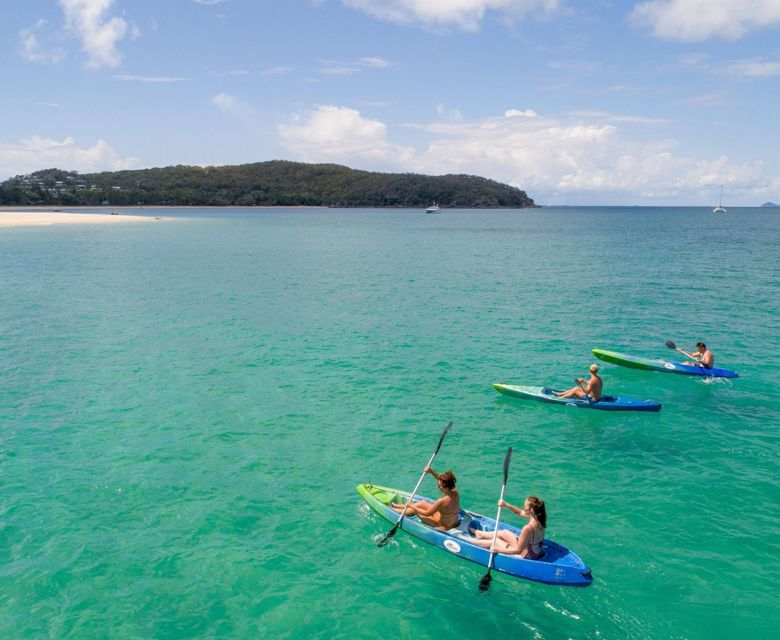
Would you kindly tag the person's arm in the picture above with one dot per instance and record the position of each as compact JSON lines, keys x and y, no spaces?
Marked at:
{"x":432,"y":472}
{"x":690,"y":355}
{"x":513,"y":508}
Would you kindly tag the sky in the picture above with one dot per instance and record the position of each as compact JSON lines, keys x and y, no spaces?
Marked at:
{"x":655,"y":102}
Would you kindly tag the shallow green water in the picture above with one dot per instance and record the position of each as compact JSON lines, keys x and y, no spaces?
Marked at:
{"x":187,"y":406}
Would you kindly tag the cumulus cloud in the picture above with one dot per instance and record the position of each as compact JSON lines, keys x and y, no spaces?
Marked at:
{"x":99,"y":34}
{"x":330,"y":133}
{"x":36,"y":153}
{"x":695,"y":20}
{"x":465,"y":14}
{"x":555,"y":159}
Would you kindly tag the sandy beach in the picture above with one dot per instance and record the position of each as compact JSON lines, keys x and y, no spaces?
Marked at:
{"x":40,"y":218}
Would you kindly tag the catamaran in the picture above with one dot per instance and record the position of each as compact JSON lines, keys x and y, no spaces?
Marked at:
{"x":720,"y":208}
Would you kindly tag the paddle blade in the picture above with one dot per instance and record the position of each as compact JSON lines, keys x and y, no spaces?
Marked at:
{"x":506,"y":463}
{"x":444,"y":433}
{"x":389,"y":535}
{"x":671,"y":344}
{"x":484,"y":584}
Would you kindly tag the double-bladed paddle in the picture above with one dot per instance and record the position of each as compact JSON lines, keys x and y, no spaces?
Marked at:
{"x":671,"y":345}
{"x":392,"y":531}
{"x":484,"y":583}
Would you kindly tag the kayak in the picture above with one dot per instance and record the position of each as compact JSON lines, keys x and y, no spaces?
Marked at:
{"x":558,"y":565}
{"x":637,"y":362}
{"x":607,"y":403}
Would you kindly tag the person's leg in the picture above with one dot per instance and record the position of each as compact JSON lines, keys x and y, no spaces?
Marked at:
{"x":576,"y":392}
{"x":409,"y":512}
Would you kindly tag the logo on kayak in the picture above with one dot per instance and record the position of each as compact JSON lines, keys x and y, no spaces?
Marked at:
{"x":451,"y":545}
{"x":669,"y":365}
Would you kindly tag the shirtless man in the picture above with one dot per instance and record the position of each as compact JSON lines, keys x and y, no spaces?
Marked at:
{"x":442,"y":514}
{"x":593,"y":390}
{"x":703,"y":356}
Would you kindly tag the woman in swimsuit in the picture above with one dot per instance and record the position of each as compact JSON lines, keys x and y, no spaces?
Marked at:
{"x":442,"y":514}
{"x":529,"y":543}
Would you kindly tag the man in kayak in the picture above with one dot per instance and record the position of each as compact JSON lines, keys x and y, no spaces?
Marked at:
{"x":592,"y":391}
{"x":529,"y":543}
{"x":442,"y":514}
{"x":703,"y":356}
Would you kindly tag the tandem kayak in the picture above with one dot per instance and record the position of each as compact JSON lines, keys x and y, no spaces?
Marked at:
{"x":607,"y":403}
{"x":558,"y":565}
{"x":666,"y":366}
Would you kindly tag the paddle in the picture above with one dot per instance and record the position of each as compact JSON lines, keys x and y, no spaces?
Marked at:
{"x":671,"y":345}
{"x":392,"y":531}
{"x":484,"y":583}
{"x":587,"y":395}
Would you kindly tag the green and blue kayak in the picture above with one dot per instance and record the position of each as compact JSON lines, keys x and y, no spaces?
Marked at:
{"x":665,"y":366}
{"x":606,"y":403}
{"x":558,"y":565}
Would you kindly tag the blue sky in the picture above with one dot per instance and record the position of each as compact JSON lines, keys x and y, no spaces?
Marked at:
{"x":654,"y":102}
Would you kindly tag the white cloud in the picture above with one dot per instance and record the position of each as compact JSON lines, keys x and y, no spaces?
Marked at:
{"x":755,"y":68}
{"x":277,"y":71}
{"x":31,"y":49}
{"x":99,"y":35}
{"x":33,"y":154}
{"x":374,"y":62}
{"x":695,"y":20}
{"x":238,"y":109}
{"x":339,"y":68}
{"x":554,"y":159}
{"x":515,"y":113}
{"x":339,"y":133}
{"x":149,"y":79}
{"x":465,"y":14}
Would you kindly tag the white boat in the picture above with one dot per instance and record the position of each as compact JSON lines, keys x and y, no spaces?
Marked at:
{"x":720,"y":208}
{"x":434,"y":208}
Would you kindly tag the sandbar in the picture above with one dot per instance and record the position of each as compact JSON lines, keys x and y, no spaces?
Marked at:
{"x":41,"y":218}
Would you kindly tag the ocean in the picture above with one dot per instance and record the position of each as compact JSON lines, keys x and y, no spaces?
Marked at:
{"x":187,"y":406}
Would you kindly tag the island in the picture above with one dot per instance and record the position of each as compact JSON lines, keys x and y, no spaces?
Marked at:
{"x":274,"y":183}
{"x":770,"y":204}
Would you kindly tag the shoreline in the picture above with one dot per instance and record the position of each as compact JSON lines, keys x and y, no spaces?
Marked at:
{"x":16,"y":217}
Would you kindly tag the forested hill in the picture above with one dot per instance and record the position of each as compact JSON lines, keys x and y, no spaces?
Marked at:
{"x":275,"y":183}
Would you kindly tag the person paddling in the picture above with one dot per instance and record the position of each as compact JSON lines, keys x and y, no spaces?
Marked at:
{"x":703,"y":356}
{"x":442,"y":514}
{"x":592,"y":390}
{"x":529,"y":543}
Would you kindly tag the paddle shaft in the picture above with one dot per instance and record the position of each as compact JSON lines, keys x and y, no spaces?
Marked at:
{"x":587,"y":395}
{"x":484,"y":584}
{"x":392,"y":531}
{"x":495,"y":532}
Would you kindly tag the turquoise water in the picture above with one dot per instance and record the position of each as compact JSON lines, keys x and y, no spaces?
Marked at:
{"x":188,"y":404}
